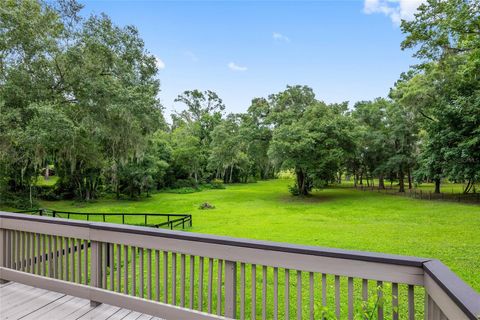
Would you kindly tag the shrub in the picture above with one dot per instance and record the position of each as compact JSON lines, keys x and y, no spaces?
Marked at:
{"x":185,"y":183}
{"x":217,"y":184}
{"x":294,"y":190}
{"x":206,"y":206}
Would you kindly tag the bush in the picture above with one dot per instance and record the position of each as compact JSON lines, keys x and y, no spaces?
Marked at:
{"x":294,"y":190}
{"x":206,"y":206}
{"x":183,"y":190}
{"x":217,"y":184}
{"x":185,"y":183}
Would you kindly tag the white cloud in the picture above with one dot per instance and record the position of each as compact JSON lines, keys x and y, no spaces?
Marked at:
{"x":280,"y":37}
{"x":394,"y":9}
{"x":192,"y":56}
{"x":235,"y":67}
{"x":160,"y":64}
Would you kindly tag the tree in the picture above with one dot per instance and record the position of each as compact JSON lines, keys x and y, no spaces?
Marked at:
{"x":309,"y":136}
{"x":446,"y":87}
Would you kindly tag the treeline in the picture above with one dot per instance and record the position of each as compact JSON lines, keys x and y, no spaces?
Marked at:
{"x":79,"y":96}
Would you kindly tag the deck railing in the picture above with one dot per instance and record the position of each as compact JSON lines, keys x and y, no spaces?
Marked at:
{"x":179,"y":275}
{"x":155,"y":220}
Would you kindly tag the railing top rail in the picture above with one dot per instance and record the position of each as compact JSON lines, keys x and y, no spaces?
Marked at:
{"x":118,"y":213}
{"x":463,"y":295}
{"x":229,"y":241}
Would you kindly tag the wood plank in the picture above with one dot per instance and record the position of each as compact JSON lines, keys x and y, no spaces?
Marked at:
{"x":26,"y":303}
{"x":120,"y":314}
{"x":102,"y":312}
{"x":69,"y":310}
{"x":41,"y":302}
{"x":40,"y":312}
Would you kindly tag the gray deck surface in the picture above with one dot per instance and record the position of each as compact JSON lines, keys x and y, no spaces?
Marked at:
{"x":18,"y":301}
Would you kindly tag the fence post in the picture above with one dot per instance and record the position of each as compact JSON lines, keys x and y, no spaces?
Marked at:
{"x":96,"y":267}
{"x":3,"y":251}
{"x":230,"y":289}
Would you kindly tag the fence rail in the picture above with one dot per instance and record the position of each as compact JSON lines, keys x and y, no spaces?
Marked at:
{"x":424,"y":194}
{"x":180,"y":275}
{"x":173,"y":220}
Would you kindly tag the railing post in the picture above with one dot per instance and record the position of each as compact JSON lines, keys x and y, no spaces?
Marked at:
{"x":230,"y":289}
{"x":3,"y":251}
{"x":96,"y":267}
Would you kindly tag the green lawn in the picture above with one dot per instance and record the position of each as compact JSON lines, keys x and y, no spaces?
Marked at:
{"x":341,"y":218}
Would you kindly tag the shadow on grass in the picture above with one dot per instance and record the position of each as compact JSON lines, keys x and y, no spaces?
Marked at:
{"x":324,"y":195}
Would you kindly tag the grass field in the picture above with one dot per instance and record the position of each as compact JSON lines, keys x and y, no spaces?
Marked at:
{"x":341,"y":218}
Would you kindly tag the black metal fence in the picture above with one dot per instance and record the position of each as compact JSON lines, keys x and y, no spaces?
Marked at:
{"x":425,"y":194}
{"x":155,"y":220}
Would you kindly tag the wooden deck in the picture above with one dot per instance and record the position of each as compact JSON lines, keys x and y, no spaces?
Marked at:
{"x":18,"y":301}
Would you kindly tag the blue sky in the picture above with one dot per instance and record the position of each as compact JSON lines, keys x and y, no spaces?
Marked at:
{"x":344,"y":50}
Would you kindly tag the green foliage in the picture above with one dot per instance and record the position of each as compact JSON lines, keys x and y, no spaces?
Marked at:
{"x":309,"y":137}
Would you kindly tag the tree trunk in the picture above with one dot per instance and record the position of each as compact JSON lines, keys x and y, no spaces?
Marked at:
{"x":381,"y":182}
{"x":401,"y":181}
{"x":231,"y":173}
{"x":437,"y":185}
{"x":302,"y":188}
{"x":409,"y":179}
{"x":47,"y":172}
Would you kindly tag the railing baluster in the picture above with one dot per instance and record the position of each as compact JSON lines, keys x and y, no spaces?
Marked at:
{"x":324,"y":290}
{"x":411,"y":302}
{"x":192,"y":282}
{"x":85,"y":261}
{"x":17,"y":250}
{"x":55,"y":258}
{"x":395,"y":301}
{"x":380,"y":298}
{"x":125,"y":269}
{"x":48,"y":255}
{"x":72,"y":256}
{"x":337,"y":296}
{"x":112,"y":266}
{"x":134,"y":271}
{"x":230,"y":289}
{"x":312,"y":296}
{"x":165,"y":276}
{"x":3,"y":250}
{"x":254,"y":290}
{"x":219,"y":286}
{"x":264,"y":292}
{"x":119,"y":268}
{"x":79,"y":260}
{"x":44,"y":255}
{"x":350,"y":298}
{"x":27,"y":251}
{"x":23,"y":262}
{"x":67,"y":259}
{"x":200,"y":283}
{"x":299,"y":295}
{"x":104,"y":265}
{"x":39,"y":254}
{"x":32,"y":253}
{"x":96,"y":267}
{"x":149,"y":274}
{"x":365,"y":290}
{"x":210,"y":285}
{"x":174,"y":278}
{"x":140,"y":267}
{"x":242,"y":291}
{"x":157,"y":275}
{"x":182,"y":280}
{"x":62,"y":255}
{"x":287,"y":294}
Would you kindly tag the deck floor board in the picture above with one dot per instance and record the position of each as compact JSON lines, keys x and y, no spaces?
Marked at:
{"x":18,"y":301}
